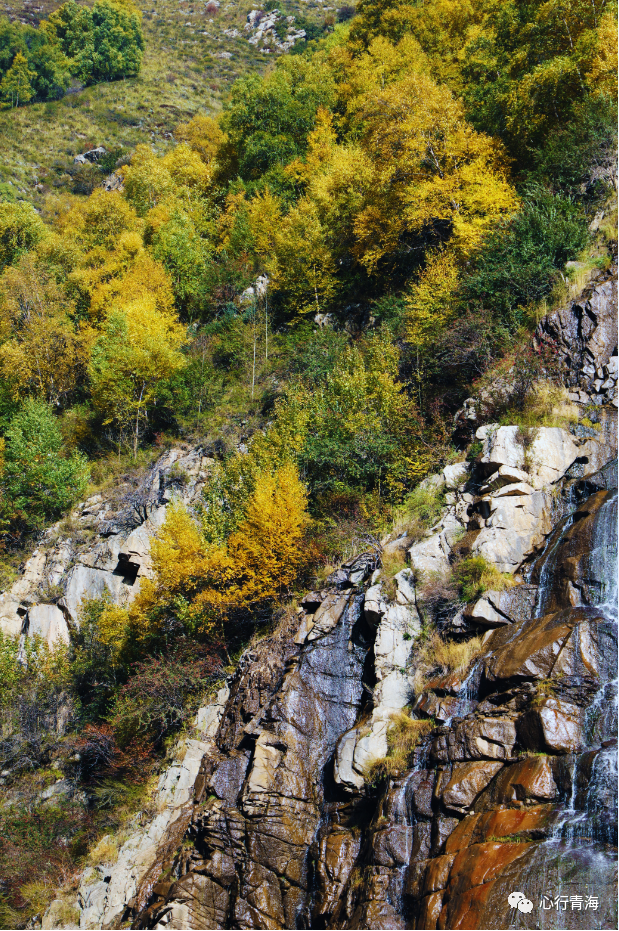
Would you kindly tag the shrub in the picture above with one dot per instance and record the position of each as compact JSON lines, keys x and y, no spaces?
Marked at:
{"x":37,"y":842}
{"x":518,"y":263}
{"x":475,"y":575}
{"x":161,"y":694}
{"x":20,"y":230}
{"x":403,"y":737}
{"x":420,"y":510}
{"x":41,"y":479}
{"x":35,"y":704}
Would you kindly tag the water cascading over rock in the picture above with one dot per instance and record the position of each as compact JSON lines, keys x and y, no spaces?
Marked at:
{"x":513,"y":789}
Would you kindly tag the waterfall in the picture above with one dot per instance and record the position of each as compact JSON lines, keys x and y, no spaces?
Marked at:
{"x":579,"y":857}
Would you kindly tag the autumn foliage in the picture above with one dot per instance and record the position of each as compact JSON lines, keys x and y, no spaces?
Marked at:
{"x":198,"y":587}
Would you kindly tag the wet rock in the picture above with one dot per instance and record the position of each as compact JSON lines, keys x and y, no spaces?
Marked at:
{"x":441,"y":829}
{"x":580,"y":557}
{"x":466,"y":782}
{"x":500,"y":824}
{"x":392,"y":846}
{"x":430,"y":911}
{"x":420,"y":792}
{"x":441,"y":709}
{"x":227,"y":779}
{"x":476,"y":738}
{"x":531,"y":778}
{"x":530,"y":651}
{"x":554,"y":726}
{"x":327,"y":616}
{"x":437,"y":873}
{"x":470,"y":882}
{"x":415,"y":878}
{"x":336,"y":858}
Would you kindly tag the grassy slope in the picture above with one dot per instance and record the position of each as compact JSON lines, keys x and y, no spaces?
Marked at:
{"x":181,"y":75}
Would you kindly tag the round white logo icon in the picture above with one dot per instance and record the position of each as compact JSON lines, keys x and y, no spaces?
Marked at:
{"x":519,"y":900}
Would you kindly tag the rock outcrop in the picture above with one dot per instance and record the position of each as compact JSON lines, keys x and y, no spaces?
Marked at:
{"x":101,"y":548}
{"x":584,"y":336}
{"x":513,"y":788}
{"x":284,"y":833}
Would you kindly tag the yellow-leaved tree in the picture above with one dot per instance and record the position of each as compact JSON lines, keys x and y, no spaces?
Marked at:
{"x":197,"y":587}
{"x":267,"y":547}
{"x":139,"y":346}
{"x":44,"y":351}
{"x":429,"y":301}
{"x":432,"y":171}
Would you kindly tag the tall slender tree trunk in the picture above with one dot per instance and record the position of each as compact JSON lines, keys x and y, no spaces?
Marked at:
{"x":136,"y":435}
{"x":266,"y":323}
{"x":253,"y":371}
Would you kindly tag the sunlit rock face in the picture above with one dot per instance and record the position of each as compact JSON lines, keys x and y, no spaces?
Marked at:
{"x":272,"y":823}
{"x":513,"y":791}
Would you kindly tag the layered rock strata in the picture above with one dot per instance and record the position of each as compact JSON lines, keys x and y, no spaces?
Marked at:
{"x":514,"y":787}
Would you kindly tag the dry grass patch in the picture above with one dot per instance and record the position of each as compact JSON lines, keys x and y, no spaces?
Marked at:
{"x":403,"y":737}
{"x":439,"y":657}
{"x":105,"y":851}
{"x":546,"y":405}
{"x":475,"y":575}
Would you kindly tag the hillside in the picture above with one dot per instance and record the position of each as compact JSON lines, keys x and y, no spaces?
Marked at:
{"x":308,"y":437}
{"x":194,"y":52}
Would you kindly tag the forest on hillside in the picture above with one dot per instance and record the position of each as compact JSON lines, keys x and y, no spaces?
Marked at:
{"x":308,"y":285}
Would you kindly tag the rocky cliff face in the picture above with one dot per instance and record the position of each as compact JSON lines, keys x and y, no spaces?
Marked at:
{"x":513,"y":788}
{"x":102,"y":547}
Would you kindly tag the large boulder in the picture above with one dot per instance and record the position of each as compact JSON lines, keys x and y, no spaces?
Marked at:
{"x":11,"y":620}
{"x":542,"y":453}
{"x":516,"y":527}
{"x":84,"y":583}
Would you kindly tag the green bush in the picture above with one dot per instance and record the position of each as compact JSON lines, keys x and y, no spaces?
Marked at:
{"x":576,"y":158}
{"x":41,"y":478}
{"x":518,"y":263}
{"x":20,"y":230}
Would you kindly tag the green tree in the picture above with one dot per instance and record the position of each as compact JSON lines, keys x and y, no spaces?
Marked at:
{"x":139,"y":347}
{"x":268,"y":119}
{"x":16,"y":86}
{"x":20,"y":230}
{"x":105,"y":43}
{"x":52,"y":68}
{"x":12,"y":40}
{"x":41,"y":478}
